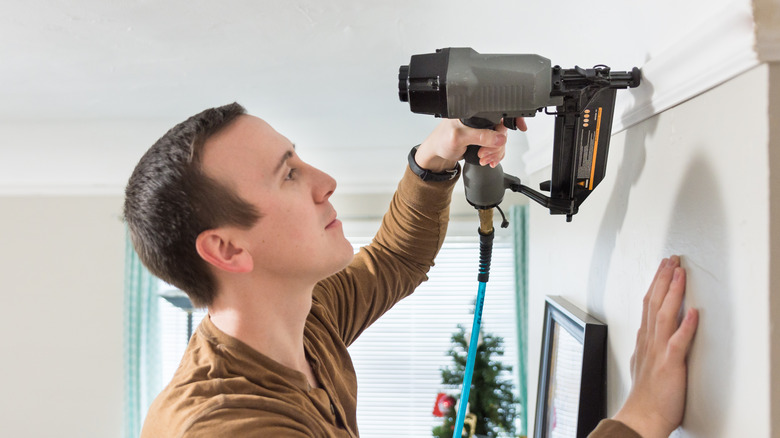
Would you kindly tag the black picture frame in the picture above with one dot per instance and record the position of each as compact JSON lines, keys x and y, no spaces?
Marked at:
{"x":572,"y":394}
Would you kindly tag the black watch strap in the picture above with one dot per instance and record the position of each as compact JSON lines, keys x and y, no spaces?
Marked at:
{"x":427,"y":175}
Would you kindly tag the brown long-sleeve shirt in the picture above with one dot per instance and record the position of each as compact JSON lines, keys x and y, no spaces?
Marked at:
{"x":224,"y":388}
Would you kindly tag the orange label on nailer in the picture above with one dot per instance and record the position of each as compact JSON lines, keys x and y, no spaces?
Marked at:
{"x":595,"y":149}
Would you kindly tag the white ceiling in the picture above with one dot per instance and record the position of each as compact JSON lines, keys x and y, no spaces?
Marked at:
{"x":323,"y":72}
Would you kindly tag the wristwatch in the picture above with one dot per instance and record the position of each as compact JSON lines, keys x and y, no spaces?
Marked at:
{"x":427,"y":175}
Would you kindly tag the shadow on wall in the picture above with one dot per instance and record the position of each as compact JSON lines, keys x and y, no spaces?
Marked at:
{"x":699,"y":232}
{"x":628,"y":173}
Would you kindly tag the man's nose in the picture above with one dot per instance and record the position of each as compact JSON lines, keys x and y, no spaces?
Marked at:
{"x":323,"y":185}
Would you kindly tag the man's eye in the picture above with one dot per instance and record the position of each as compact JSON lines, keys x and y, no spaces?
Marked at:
{"x":291,"y":174}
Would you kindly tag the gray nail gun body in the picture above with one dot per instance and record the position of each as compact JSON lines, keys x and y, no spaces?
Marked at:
{"x":483,"y":89}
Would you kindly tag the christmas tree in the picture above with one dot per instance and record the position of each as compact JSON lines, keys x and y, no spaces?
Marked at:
{"x":491,"y":398}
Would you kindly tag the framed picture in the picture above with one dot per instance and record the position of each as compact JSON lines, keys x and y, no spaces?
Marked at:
{"x":571,"y":399}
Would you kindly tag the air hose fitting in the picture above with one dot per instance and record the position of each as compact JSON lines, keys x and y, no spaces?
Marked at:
{"x":486,"y":233}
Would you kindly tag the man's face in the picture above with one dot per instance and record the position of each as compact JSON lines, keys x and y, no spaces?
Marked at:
{"x":297,"y":238}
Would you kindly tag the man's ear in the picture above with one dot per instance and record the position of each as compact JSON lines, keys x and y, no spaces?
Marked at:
{"x":217,"y":248}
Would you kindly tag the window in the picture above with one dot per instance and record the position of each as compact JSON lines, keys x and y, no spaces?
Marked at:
{"x":398,"y":359}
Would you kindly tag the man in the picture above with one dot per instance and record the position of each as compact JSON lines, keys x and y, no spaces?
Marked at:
{"x":223,"y":208}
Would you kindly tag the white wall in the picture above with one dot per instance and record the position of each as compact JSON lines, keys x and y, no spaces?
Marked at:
{"x":61,"y":267}
{"x":73,"y":157}
{"x":694,"y":181}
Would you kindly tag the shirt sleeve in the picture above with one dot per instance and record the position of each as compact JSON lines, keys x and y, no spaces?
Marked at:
{"x":395,"y":262}
{"x":613,"y":429}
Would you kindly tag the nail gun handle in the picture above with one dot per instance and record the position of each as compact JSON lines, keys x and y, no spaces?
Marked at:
{"x":471,"y":156}
{"x":484,"y":184}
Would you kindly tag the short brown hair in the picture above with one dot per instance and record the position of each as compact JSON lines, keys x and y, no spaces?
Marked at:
{"x":169,"y":201}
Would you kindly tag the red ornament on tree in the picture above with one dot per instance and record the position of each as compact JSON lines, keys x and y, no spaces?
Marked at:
{"x":443,"y":404}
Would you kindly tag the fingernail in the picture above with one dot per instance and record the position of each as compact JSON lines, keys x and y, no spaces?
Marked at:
{"x":677,"y":274}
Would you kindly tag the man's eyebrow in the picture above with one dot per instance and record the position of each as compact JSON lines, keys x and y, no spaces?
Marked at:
{"x":287,"y":155}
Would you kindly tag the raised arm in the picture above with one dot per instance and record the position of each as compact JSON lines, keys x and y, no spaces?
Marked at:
{"x":412,"y":230}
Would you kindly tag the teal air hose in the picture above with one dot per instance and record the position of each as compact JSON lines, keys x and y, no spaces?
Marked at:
{"x":486,"y":233}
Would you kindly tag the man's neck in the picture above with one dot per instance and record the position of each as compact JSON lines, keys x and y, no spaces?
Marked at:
{"x":270,"y":321}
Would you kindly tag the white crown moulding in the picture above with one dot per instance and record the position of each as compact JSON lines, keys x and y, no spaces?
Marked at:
{"x":721,"y":48}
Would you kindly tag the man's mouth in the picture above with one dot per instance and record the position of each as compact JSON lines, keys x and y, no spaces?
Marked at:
{"x":334,"y":222}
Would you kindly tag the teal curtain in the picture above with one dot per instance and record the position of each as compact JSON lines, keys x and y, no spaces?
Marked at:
{"x":519,"y":215}
{"x":141,"y":341}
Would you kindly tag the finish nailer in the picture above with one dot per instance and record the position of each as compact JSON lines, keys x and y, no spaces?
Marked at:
{"x":483,"y":89}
